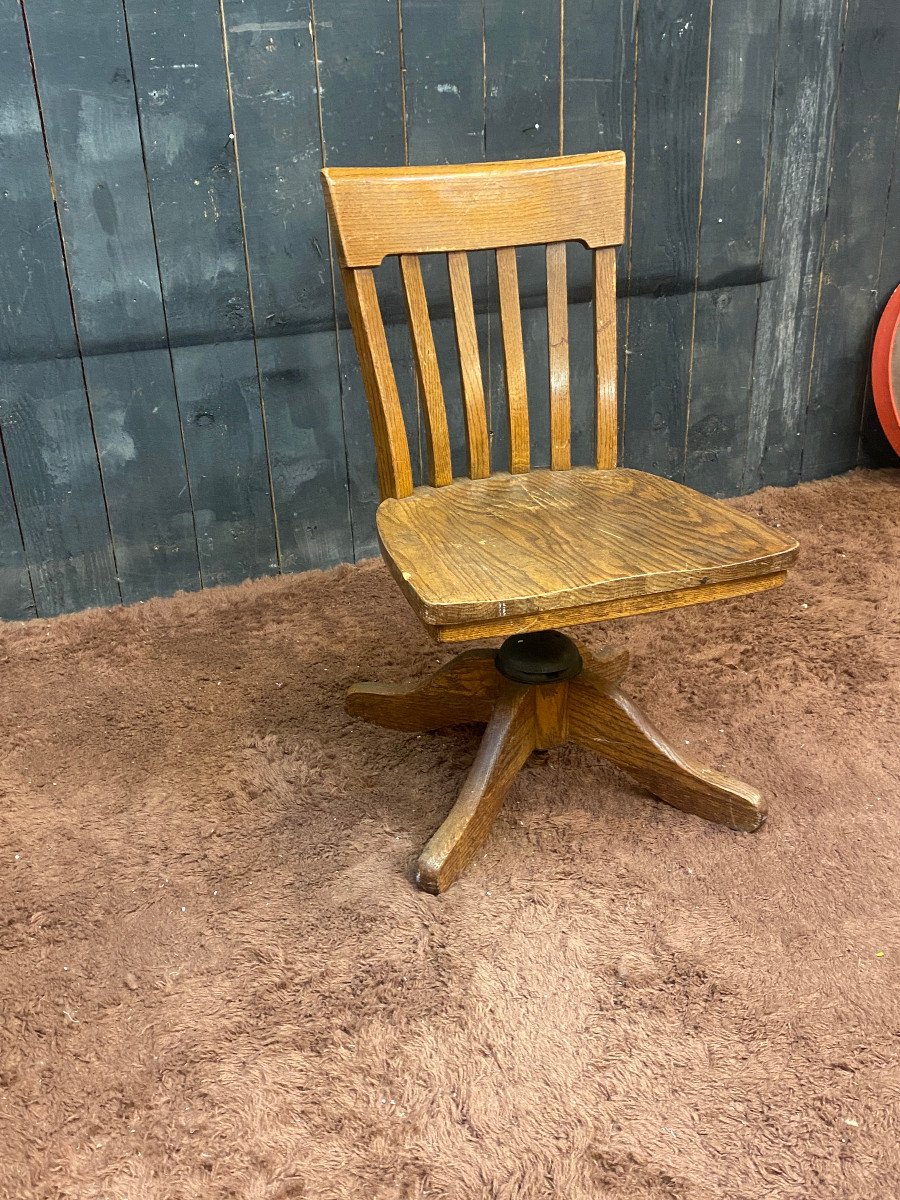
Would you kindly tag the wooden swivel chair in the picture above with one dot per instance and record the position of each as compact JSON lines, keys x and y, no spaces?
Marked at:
{"x":517,"y":553}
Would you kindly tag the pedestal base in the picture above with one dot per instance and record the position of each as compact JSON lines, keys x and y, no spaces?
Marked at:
{"x":537,"y":691}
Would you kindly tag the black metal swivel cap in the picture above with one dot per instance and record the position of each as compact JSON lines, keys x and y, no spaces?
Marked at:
{"x":544,"y":657}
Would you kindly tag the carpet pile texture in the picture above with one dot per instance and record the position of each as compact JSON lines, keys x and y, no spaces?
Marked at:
{"x":217,"y":979}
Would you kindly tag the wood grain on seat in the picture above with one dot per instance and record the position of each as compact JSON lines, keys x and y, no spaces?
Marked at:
{"x":513,"y":545}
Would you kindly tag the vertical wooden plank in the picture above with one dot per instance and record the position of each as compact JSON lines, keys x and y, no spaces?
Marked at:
{"x":358,"y":46}
{"x":470,"y":371}
{"x":44,"y":415}
{"x":85,"y":83}
{"x":672,"y":43}
{"x":181,"y":85}
{"x":275,"y":100}
{"x":558,"y":350}
{"x":53,"y":465}
{"x":513,"y":360}
{"x":522,"y":58}
{"x":444,"y":86}
{"x":598,"y":96}
{"x":854,"y":230}
{"x":742,"y":65}
{"x":227,"y":456}
{"x":874,"y":448}
{"x":431,"y":393}
{"x":523,"y":78}
{"x":598,"y":78}
{"x":16,"y":595}
{"x":301,"y":385}
{"x":605,"y":364}
{"x":443,"y":55}
{"x":799,"y":163}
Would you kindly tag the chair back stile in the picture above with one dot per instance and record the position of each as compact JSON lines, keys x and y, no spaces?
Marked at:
{"x":380,"y":212}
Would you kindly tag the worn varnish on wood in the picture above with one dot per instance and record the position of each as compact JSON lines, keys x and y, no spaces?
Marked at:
{"x":476,"y":206}
{"x":521,"y":551}
{"x":549,"y":541}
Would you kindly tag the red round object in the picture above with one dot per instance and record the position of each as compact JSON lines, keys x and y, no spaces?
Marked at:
{"x":886,"y":370}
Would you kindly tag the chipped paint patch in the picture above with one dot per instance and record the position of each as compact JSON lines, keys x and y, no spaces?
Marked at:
{"x":172,"y":135}
{"x":265,"y":26}
{"x":18,"y":119}
{"x":117,"y":445}
{"x":102,"y":134}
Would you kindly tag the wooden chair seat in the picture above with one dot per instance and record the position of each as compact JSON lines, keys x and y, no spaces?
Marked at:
{"x":563,"y":547}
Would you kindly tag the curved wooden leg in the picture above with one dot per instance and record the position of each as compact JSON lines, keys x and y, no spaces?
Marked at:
{"x":609,"y":664}
{"x":603,"y":719}
{"x":507,"y":743}
{"x":460,"y":691}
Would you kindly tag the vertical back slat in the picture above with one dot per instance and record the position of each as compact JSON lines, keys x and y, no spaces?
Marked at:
{"x":558,"y":344}
{"x":469,"y":365}
{"x":427,"y":371}
{"x":605,"y":356}
{"x":389,"y":431}
{"x":513,"y":360}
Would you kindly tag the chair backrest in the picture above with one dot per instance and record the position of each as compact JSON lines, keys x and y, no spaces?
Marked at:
{"x":408,"y":211}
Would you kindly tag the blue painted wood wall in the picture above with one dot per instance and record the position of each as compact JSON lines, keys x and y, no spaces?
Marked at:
{"x":180,"y":403}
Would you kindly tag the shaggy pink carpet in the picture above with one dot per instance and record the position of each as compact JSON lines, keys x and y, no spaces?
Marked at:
{"x":217,"y":979}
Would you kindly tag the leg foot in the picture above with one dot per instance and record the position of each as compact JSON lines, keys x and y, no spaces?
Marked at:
{"x":603,"y":719}
{"x":462,"y":690}
{"x":507,"y":743}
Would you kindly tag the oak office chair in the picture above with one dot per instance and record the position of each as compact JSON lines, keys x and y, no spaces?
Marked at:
{"x":520,"y":552}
